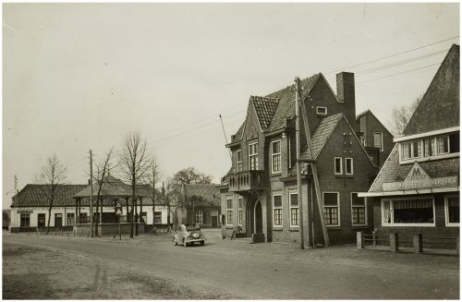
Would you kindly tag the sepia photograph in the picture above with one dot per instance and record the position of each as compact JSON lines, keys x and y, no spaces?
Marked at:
{"x":231,"y":151}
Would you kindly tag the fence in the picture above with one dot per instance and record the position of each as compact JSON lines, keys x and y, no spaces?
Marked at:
{"x":417,"y":243}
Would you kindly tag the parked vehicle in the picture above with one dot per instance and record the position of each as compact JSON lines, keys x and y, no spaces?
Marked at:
{"x":188,"y":235}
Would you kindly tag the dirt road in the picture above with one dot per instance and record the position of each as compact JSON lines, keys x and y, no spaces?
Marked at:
{"x":152,"y":268}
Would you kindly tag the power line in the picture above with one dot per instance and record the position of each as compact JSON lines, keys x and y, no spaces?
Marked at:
{"x":396,"y":74}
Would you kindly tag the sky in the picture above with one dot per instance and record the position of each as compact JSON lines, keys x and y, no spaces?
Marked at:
{"x":81,"y":76}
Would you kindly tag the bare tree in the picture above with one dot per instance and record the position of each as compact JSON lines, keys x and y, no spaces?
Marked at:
{"x":401,"y":116}
{"x":190,"y":176}
{"x":102,"y":170}
{"x":171,"y":194}
{"x":52,"y":177}
{"x":152,"y":179}
{"x":134,"y":164}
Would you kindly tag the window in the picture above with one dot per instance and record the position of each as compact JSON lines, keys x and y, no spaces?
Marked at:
{"x":277,"y":210}
{"x":293,"y":198}
{"x":239,"y":160}
{"x":25,"y":220}
{"x":430,"y":146}
{"x":348,"y":166}
{"x":358,"y":210}
{"x":229,"y":212}
{"x":338,"y":166}
{"x":331,"y":209}
{"x":378,"y":140}
{"x":452,"y":206}
{"x":253,"y":156}
{"x":408,"y":212}
{"x":70,"y":219}
{"x":41,"y":220}
{"x":276,"y":154}
{"x":240,"y":217}
{"x":199,"y":217}
{"x":157,"y":217}
{"x":363,"y":141}
{"x":321,"y":110}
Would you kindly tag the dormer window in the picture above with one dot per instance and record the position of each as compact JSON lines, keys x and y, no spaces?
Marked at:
{"x":430,"y":147}
{"x":321,"y":110}
{"x":239,"y":160}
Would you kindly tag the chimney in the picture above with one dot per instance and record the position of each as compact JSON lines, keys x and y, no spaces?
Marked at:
{"x":346,"y":95}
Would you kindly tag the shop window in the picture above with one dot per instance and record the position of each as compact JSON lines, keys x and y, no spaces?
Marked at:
{"x":358,"y":210}
{"x":25,"y":220}
{"x":452,"y":209}
{"x":253,"y":156}
{"x":338,"y":166}
{"x":276,"y":156}
{"x":229,"y":212}
{"x":408,"y":212}
{"x":293,"y":209}
{"x":240,"y":214}
{"x":348,"y":166}
{"x":277,"y":210}
{"x":41,"y":220}
{"x":331,"y":208}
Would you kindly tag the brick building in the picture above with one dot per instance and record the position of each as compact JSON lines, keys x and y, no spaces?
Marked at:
{"x":417,"y":189}
{"x":259,"y":193}
{"x":201,"y":205}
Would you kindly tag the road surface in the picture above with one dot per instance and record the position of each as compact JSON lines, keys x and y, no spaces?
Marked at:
{"x":151,"y":267}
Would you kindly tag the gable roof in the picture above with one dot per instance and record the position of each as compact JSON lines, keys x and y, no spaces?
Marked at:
{"x":321,"y":135}
{"x":34,"y":195}
{"x":265,"y":108}
{"x":286,"y":106}
{"x":392,"y":171}
{"x":204,"y":193}
{"x":439,"y":107}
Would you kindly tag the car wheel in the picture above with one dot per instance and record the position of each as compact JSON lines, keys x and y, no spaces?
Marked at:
{"x":184,"y":243}
{"x":176,"y":243}
{"x":202,"y":242}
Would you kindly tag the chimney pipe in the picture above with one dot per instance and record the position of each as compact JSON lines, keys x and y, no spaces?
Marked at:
{"x":346,"y":95}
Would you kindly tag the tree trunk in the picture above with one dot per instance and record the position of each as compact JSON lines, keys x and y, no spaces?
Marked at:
{"x":49,"y":218}
{"x":132,"y":214}
{"x":136,"y":217}
{"x":97,"y":215}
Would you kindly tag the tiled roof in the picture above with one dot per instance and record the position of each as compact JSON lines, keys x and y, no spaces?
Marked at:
{"x":362,"y":113}
{"x":286,"y":107}
{"x":439,"y":107}
{"x":322,"y":134}
{"x":265,"y":108}
{"x":33,"y":195}
{"x":392,"y":171}
{"x":111,"y":186}
{"x":237,"y":136}
{"x":205,"y":193}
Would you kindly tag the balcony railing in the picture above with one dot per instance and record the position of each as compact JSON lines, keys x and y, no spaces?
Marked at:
{"x":247,"y":181}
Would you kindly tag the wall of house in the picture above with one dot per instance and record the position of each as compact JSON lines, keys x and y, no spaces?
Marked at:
{"x":374,"y":125}
{"x":439,"y":236}
{"x":340,"y":145}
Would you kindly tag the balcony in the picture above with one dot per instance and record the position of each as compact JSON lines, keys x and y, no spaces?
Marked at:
{"x":253,"y":180}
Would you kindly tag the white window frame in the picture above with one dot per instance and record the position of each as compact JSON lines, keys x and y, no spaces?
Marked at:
{"x":254,"y":155}
{"x":423,"y":156}
{"x":338,"y":207}
{"x":229,"y":212}
{"x":393,"y":224}
{"x":21,"y":215}
{"x":279,"y":209}
{"x":240,"y":212}
{"x":381,"y":140}
{"x":346,"y":166}
{"x":321,"y":108}
{"x":446,"y":211}
{"x":239,"y":166}
{"x":276,"y":155}
{"x":292,"y":207}
{"x":200,"y":217}
{"x":365,"y":211}
{"x":335,"y":166}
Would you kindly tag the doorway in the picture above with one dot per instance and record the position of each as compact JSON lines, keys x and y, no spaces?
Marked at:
{"x":258,"y":221}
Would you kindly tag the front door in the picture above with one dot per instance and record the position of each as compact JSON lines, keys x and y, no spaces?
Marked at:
{"x":58,"y":220}
{"x":258,"y":218}
{"x":214,"y":219}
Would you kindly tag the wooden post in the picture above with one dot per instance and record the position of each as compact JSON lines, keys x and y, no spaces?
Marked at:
{"x":359,"y":240}
{"x":394,"y":244}
{"x":418,"y":243}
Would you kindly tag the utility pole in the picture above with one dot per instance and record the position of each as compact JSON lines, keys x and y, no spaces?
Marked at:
{"x":226,"y":138}
{"x":312,"y":162}
{"x":91,"y":193}
{"x":297,"y":156}
{"x":15,"y":184}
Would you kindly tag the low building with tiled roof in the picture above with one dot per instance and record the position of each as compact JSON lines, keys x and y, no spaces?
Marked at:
{"x":30,"y":207}
{"x":259,"y":193}
{"x":417,"y":189}
{"x":201,"y":205}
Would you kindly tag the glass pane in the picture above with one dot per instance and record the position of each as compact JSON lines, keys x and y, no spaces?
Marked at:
{"x":330,"y":199}
{"x":277,"y":201}
{"x":294,"y":200}
{"x":357,"y":201}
